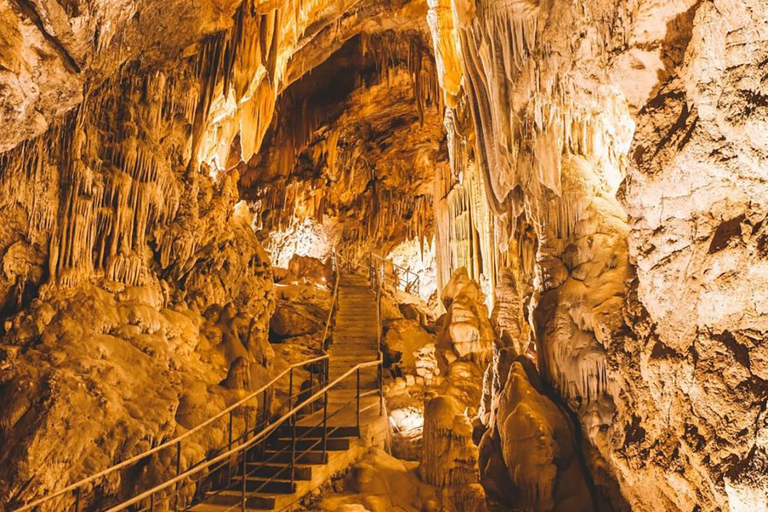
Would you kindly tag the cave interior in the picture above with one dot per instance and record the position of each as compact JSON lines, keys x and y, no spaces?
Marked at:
{"x":384,"y":255}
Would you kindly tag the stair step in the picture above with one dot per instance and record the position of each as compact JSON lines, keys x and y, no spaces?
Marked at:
{"x":215,"y":501}
{"x":363,"y":356}
{"x":266,"y":485}
{"x":364,"y":384}
{"x":359,"y":342}
{"x":275,"y":457}
{"x":338,"y":371}
{"x":333,"y":444}
{"x":369,"y":354}
{"x":258,"y":469}
{"x":339,"y":368}
{"x":359,"y":346}
{"x":317,"y":431}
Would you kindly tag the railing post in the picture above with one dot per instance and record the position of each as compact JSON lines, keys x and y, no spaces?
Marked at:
{"x":77,"y":499}
{"x":245,"y":466}
{"x":229,"y":444}
{"x":358,"y":401}
{"x":265,"y":410}
{"x":325,"y":423}
{"x":293,"y":449}
{"x":381,"y":386}
{"x":152,"y":503}
{"x":290,"y":389}
{"x":178,"y":472}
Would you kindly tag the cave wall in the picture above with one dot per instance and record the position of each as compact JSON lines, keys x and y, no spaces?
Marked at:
{"x":619,"y":143}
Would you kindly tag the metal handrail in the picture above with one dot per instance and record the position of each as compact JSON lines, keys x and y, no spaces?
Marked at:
{"x":287,"y":473}
{"x":407,"y":283}
{"x":305,"y":435}
{"x":247,"y":444}
{"x":334,"y":299}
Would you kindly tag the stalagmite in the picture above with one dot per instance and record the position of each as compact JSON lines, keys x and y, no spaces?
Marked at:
{"x":449,"y":458}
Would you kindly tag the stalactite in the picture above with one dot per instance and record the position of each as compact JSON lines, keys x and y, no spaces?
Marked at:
{"x":118,"y":178}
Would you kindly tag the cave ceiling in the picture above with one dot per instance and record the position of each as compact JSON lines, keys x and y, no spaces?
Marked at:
{"x":359,"y":140}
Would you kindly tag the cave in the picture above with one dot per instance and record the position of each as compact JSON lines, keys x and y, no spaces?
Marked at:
{"x":384,"y":255}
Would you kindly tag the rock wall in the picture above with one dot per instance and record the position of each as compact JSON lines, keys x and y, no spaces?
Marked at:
{"x":694,"y":193}
{"x":625,"y":137}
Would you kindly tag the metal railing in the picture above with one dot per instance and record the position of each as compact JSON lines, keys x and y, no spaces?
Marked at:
{"x":317,"y":444}
{"x":241,"y":408}
{"x":376,"y":275}
{"x":400,"y":277}
{"x":388,"y":272}
{"x":146,"y":501}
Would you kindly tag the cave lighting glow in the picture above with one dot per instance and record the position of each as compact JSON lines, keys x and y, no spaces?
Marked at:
{"x":306,"y":238}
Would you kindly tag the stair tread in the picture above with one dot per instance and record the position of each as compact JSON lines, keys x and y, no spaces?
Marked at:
{"x":213,"y":507}
{"x":361,"y":355}
{"x":264,"y":478}
{"x":238,"y":493}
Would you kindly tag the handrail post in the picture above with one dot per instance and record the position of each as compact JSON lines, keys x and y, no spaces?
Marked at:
{"x":381,"y":385}
{"x":229,"y":444}
{"x":325,"y":423}
{"x":229,"y":447}
{"x":290,"y":389}
{"x":265,"y":411}
{"x":77,"y":499}
{"x":178,"y":472}
{"x":152,"y":503}
{"x":358,"y":402}
{"x":245,"y":466}
{"x":293,"y":450}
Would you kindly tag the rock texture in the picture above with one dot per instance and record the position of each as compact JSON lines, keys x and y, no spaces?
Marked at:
{"x":620,"y":138}
{"x":529,"y":456}
{"x":466,"y":331}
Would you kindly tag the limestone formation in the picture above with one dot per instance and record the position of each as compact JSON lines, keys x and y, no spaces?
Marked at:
{"x":449,"y":457}
{"x":466,"y":330}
